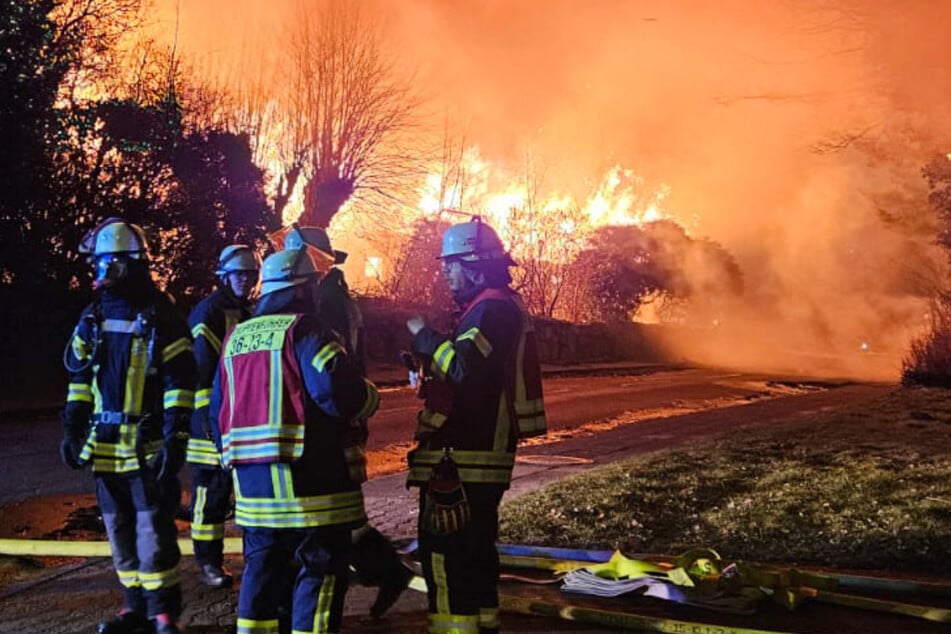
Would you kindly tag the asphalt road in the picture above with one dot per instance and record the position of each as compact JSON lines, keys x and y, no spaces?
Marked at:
{"x":593,"y":420}
{"x":30,"y":465}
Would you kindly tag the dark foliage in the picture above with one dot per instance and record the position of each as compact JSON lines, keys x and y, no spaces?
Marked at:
{"x":66,"y":164}
{"x":928,"y":361}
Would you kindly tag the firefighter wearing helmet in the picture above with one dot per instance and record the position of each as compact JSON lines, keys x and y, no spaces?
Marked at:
{"x":238,"y":271}
{"x":482,"y":394}
{"x":284,"y":394}
{"x":374,"y":558}
{"x":131,"y":391}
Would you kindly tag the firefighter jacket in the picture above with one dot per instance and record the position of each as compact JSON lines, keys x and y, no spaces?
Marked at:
{"x":284,"y":392}
{"x":339,"y":312}
{"x":209,"y":321}
{"x":132,"y":381}
{"x":483,"y":391}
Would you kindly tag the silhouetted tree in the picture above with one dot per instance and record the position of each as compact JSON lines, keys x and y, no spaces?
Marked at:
{"x":336,"y":115}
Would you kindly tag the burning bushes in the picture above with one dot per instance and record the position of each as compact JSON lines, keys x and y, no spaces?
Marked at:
{"x":928,"y":361}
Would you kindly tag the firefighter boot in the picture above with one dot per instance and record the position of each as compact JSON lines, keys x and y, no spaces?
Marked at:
{"x":215,"y":576}
{"x":378,"y":564}
{"x":126,"y":622}
{"x":165,"y":624}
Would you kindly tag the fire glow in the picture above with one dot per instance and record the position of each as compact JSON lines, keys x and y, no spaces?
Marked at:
{"x":619,"y":199}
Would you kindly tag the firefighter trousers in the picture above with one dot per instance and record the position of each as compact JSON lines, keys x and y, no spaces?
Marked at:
{"x":139,"y":514}
{"x":319,"y":557}
{"x":462,"y":570}
{"x":211,"y":501}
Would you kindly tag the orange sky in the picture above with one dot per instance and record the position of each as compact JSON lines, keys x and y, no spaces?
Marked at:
{"x":725,"y":102}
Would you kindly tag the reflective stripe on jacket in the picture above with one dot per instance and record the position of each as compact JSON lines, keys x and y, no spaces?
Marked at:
{"x":261,"y":425}
{"x":287,"y":390}
{"x":210,"y":321}
{"x":138,"y":391}
{"x":485,"y":380}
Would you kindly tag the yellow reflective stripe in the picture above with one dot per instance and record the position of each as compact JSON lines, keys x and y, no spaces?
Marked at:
{"x":442,"y":358}
{"x":476,"y":467}
{"x":282,"y":479}
{"x":529,"y":407}
{"x":201,"y":451}
{"x":325,"y":354}
{"x":158,"y":580}
{"x":466,"y":457}
{"x":198,"y":507}
{"x":135,"y":377}
{"x":229,"y":373}
{"x":475,"y":336}
{"x":202,"y":330}
{"x":299,"y":512}
{"x":86,"y":452}
{"x":207,"y":532}
{"x":308,"y":503}
{"x":324,"y":603}
{"x":453,"y":623}
{"x":442,"y":583}
{"x":420,"y":474}
{"x":80,"y":349}
{"x":372,"y":403}
{"x":79,"y":392}
{"x":179,"y":398}
{"x":129,"y":578}
{"x":254,"y":626}
{"x":203,"y":398}
{"x":200,"y":531}
{"x":176,"y":348}
{"x":299,"y":520}
{"x":276,"y":386}
{"x":489,"y":618}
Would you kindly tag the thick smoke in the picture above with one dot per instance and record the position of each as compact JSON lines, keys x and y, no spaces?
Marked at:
{"x":792,"y":133}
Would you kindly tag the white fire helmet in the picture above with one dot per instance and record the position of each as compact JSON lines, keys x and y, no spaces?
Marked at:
{"x":313,"y":237}
{"x":285,"y":269}
{"x":238,"y":257}
{"x":474,"y":241}
{"x":115,"y":236}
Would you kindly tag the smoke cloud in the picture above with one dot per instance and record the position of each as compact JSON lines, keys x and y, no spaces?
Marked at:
{"x":793,"y":133}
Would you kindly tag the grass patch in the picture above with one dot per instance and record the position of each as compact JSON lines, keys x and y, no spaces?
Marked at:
{"x":867,"y":487}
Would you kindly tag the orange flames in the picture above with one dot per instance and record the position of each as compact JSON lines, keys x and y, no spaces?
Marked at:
{"x":620,"y":198}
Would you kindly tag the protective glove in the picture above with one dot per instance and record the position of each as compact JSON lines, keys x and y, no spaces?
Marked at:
{"x":168,"y":460}
{"x":69,"y":451}
{"x":427,"y":424}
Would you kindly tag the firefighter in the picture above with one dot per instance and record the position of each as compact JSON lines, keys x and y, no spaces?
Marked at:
{"x":375,"y":560}
{"x":238,"y":271}
{"x":131,"y":390}
{"x":284,"y":394}
{"x":482,"y":393}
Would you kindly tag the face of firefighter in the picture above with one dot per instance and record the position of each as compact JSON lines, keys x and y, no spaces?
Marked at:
{"x":241,"y":283}
{"x":111,"y":269}
{"x":455,"y":275}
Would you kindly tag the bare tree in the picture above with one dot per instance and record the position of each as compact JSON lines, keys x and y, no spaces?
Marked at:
{"x":339,"y":118}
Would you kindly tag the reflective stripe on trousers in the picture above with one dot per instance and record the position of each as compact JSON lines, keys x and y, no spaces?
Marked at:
{"x":140,"y":520}
{"x":462,"y":570}
{"x":314,"y":594}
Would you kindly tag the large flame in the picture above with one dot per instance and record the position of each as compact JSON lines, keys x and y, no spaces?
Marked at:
{"x":619,"y":198}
